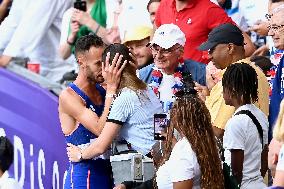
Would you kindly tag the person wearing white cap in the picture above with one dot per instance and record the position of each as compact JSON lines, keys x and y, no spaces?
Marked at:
{"x":165,"y":76}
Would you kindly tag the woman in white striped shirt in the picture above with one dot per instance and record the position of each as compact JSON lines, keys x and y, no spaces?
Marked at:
{"x":132,"y":112}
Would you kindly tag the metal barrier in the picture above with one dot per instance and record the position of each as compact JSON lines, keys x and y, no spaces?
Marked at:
{"x":53,"y":87}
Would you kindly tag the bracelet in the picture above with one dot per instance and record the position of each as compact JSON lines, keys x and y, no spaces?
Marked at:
{"x":108,"y":95}
{"x":97,"y":29}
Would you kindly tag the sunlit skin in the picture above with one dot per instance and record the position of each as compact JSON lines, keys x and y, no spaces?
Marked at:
{"x":141,"y":51}
{"x":276,"y":31}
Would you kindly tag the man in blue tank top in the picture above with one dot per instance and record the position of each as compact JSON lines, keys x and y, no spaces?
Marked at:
{"x":83,"y":108}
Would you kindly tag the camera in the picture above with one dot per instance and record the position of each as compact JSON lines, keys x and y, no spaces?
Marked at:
{"x":80,"y":5}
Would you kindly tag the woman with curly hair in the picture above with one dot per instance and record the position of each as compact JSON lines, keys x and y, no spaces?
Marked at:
{"x":193,"y":162}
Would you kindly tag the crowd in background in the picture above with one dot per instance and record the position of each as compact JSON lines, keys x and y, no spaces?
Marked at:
{"x":213,"y":67}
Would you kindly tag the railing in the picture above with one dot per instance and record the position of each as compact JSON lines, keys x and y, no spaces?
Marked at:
{"x":53,"y":87}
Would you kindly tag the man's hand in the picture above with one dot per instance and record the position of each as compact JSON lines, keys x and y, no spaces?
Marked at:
{"x":202,"y":91}
{"x":74,"y":153}
{"x":5,"y":60}
{"x":260,"y":27}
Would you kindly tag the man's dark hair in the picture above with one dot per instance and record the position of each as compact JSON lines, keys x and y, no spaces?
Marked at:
{"x":6,"y":153}
{"x":84,"y":43}
{"x":117,"y":48}
{"x":152,"y":1}
{"x":240,"y":81}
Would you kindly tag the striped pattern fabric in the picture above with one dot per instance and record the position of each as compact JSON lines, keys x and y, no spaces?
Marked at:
{"x":134,"y":111}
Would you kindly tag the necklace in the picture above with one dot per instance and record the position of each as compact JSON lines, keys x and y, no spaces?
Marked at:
{"x":157,"y":77}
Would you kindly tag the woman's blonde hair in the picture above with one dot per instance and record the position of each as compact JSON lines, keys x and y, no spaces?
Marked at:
{"x":278,"y":132}
{"x":129,"y":78}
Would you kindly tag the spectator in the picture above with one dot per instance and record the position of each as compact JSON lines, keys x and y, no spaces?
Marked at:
{"x":83,"y":108}
{"x":6,"y":159}
{"x":195,"y":24}
{"x":225,"y":45}
{"x":276,"y":24}
{"x":152,"y":8}
{"x":165,"y":76}
{"x":246,"y":133}
{"x":32,"y":30}
{"x":4,"y":8}
{"x":136,"y":39}
{"x":131,"y":115}
{"x":189,"y":163}
{"x":77,"y":23}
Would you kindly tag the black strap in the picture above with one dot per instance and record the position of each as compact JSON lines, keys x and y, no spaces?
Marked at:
{"x":255,"y":121}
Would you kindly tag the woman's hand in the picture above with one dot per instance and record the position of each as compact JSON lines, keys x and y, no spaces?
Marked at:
{"x":112,"y":73}
{"x":83,"y":18}
{"x":74,"y":153}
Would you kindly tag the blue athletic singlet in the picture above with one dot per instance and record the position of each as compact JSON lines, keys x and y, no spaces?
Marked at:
{"x":93,"y":173}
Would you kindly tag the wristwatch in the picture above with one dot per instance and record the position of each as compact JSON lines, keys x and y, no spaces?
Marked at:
{"x":109,"y":95}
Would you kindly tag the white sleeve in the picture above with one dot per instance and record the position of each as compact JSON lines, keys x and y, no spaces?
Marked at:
{"x":121,"y":108}
{"x":33,"y":26}
{"x":65,"y":26}
{"x":183,"y":163}
{"x":234,"y":136}
{"x":8,"y":26}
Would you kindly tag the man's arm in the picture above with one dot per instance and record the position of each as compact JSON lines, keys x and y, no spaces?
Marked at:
{"x":72,"y":105}
{"x":237,"y":161}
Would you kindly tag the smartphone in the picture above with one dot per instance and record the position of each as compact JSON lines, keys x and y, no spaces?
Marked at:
{"x":160,"y":124}
{"x":81,"y":5}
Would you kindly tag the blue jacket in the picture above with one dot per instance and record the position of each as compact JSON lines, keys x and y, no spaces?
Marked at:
{"x":277,"y":94}
{"x":197,"y":70}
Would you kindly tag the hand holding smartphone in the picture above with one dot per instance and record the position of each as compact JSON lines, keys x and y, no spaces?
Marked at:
{"x":160,"y":124}
{"x":80,"y":5}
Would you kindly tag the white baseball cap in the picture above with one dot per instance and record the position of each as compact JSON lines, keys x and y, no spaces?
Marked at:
{"x":167,"y":35}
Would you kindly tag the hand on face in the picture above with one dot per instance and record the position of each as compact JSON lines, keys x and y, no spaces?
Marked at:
{"x":73,"y":152}
{"x":112,"y":73}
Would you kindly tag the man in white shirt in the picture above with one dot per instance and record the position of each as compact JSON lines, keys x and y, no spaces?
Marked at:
{"x":6,"y":159}
{"x":32,"y":30}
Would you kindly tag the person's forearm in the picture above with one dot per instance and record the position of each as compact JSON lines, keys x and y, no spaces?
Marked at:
{"x":65,"y":50}
{"x":3,"y":9}
{"x":103,"y":118}
{"x":92,"y":151}
{"x":96,"y":28}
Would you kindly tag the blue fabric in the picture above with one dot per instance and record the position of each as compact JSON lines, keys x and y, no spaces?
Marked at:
{"x":276,"y":96}
{"x":99,"y":170}
{"x":197,"y":70}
